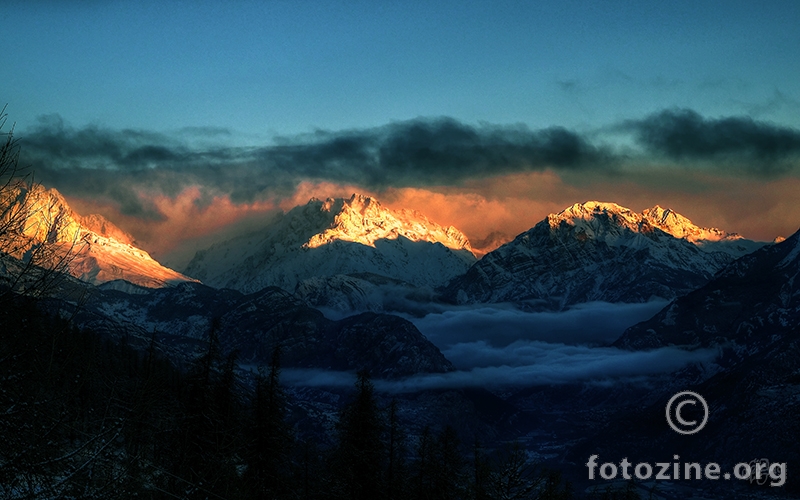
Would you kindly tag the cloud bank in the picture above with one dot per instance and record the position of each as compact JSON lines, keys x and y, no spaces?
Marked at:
{"x":683,"y":134}
{"x":499,"y":347}
{"x":593,"y":323}
{"x":413,"y":153}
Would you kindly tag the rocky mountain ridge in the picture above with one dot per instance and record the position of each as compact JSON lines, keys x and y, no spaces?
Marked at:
{"x":332,"y":237}
{"x":180,"y":318}
{"x":39,"y":224}
{"x":597,"y":251}
{"x":748,"y":305}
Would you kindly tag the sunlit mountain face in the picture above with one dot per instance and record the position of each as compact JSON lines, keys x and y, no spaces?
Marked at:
{"x":583,"y":314}
{"x":48,"y":233}
{"x":337,"y":237}
{"x":600,"y":252}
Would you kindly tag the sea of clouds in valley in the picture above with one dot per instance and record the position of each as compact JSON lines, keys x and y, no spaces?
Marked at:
{"x":497,"y":345}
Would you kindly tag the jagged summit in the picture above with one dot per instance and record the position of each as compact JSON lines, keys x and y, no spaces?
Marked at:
{"x":665,"y":219}
{"x":601,"y":219}
{"x":336,"y":236}
{"x":362,"y":219}
{"x":588,"y":210}
{"x":600,"y":251}
{"x":679,"y":226}
{"x":595,"y":219}
{"x":96,"y":250}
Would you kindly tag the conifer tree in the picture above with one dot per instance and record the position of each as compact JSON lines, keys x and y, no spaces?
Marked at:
{"x":397,"y":470}
{"x":270,"y":439}
{"x":448,"y":467}
{"x":358,"y":461}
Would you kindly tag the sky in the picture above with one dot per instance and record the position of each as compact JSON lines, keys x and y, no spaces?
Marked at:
{"x":185,"y":122}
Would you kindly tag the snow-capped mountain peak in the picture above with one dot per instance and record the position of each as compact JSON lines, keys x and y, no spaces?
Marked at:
{"x":336,"y":236}
{"x":362,"y":219}
{"x":590,"y":210}
{"x":679,"y":226}
{"x":605,"y":221}
{"x":600,"y":251}
{"x":95,"y":249}
{"x":595,"y":219}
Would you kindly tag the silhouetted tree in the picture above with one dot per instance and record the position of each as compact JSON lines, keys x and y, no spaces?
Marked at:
{"x":480,"y":473}
{"x":205,"y":452}
{"x":270,"y":439}
{"x":449,"y":478}
{"x":358,"y":461}
{"x":397,"y":469}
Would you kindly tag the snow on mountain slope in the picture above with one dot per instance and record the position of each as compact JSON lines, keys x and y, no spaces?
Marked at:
{"x":336,"y":236}
{"x":707,"y":239}
{"x":596,"y":251}
{"x":750,"y":303}
{"x":94,"y":249}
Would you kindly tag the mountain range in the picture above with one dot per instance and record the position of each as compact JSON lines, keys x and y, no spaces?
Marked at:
{"x":599,"y":252}
{"x":354,"y":254}
{"x":750,"y":304}
{"x":278,"y":286}
{"x":750,"y":313}
{"x":179,"y":320}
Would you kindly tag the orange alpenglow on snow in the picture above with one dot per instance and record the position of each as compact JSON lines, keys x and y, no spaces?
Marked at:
{"x":95,"y":249}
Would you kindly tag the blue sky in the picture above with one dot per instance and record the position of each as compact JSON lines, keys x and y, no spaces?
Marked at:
{"x":179,"y":119}
{"x":280,"y":68}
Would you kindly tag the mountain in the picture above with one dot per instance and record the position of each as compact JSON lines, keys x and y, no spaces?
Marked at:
{"x":180,"y":317}
{"x":750,"y":311}
{"x":707,"y":239}
{"x":40,"y":225}
{"x":599,"y":252}
{"x":751,"y":303}
{"x":345,"y":293}
{"x":335,"y":237}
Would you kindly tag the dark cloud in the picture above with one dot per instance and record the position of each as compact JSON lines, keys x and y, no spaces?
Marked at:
{"x":118,"y":165}
{"x":413,"y":153}
{"x":425,"y":152}
{"x":115,"y":166}
{"x":62,"y":146}
{"x":686,"y":135}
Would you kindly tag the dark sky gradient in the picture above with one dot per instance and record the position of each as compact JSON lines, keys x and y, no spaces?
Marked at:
{"x":283,"y":67}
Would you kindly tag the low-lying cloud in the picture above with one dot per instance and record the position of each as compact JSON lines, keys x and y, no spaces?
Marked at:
{"x":594,"y":323}
{"x":556,"y":364}
{"x":502,"y":347}
{"x":547,"y":364}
